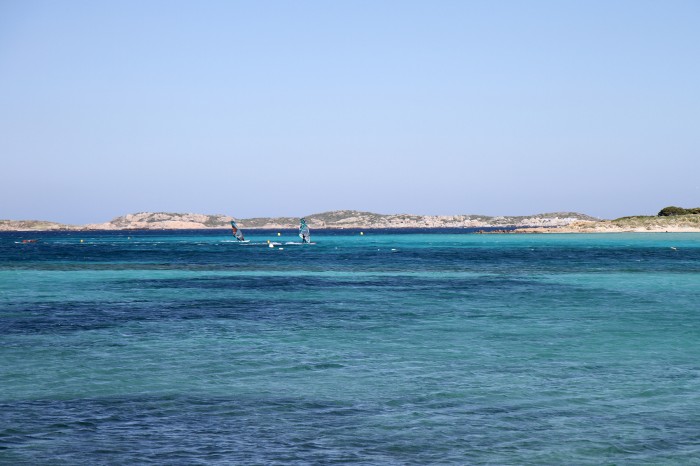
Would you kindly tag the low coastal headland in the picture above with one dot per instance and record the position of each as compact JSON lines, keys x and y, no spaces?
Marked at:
{"x":556,"y":222}
{"x":638,"y":224}
{"x":338,"y":219}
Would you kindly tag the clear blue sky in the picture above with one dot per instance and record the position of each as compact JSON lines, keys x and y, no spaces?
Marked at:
{"x":266,"y":108}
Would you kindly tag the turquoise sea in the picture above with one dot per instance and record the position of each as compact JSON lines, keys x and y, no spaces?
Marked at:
{"x":415,"y":347}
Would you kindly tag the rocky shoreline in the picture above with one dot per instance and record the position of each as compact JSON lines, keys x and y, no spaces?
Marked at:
{"x":678,"y":224}
{"x":557,"y":222}
{"x":332,"y":220}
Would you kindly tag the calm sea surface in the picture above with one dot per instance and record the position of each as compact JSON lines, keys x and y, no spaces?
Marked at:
{"x":387,"y":348}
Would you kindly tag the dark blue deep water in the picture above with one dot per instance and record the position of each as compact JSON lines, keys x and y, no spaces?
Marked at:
{"x":387,"y":348}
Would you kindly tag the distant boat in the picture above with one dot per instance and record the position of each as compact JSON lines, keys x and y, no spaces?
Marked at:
{"x":236,"y":231}
{"x":304,"y":232}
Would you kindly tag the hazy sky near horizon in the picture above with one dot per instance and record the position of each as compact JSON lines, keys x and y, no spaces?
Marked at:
{"x":295,"y":107}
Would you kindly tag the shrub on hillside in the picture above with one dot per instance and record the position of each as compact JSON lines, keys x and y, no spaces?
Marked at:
{"x":673,"y":210}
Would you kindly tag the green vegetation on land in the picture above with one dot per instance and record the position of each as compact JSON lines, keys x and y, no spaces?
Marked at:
{"x":658,"y":221}
{"x":673,"y":210}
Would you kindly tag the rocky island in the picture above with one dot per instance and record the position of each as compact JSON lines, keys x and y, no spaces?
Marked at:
{"x":556,"y":222}
{"x":336,"y":219}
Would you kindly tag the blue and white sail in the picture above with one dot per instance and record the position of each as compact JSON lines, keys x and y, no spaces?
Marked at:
{"x":304,"y":232}
{"x":236,"y":231}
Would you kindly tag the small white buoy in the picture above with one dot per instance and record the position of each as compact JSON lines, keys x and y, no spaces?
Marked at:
{"x":279,"y":234}
{"x":362,"y":233}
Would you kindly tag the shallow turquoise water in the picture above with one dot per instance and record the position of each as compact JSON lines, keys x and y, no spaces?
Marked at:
{"x":187,"y":348}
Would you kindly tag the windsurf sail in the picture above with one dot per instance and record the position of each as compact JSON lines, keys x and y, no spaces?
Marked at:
{"x":236,"y":232}
{"x":304,"y":233}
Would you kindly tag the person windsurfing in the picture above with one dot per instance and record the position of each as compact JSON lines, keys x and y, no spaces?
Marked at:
{"x":304,"y":233}
{"x":236,"y":232}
